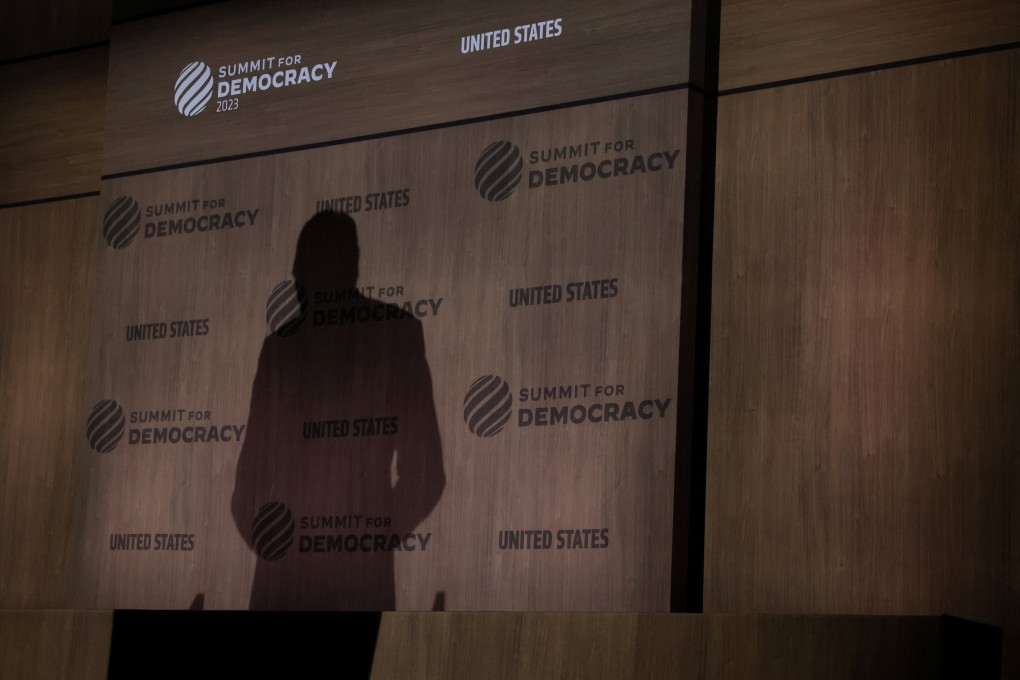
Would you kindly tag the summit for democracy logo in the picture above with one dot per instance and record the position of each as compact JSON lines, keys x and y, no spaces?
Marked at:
{"x":488,"y":405}
{"x":500,"y":168}
{"x":123,"y":220}
{"x":289,"y":305}
{"x":274,"y":529}
{"x":197,"y":83}
{"x":106,"y":425}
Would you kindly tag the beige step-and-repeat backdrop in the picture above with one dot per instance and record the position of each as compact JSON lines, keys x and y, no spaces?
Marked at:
{"x":431,"y":366}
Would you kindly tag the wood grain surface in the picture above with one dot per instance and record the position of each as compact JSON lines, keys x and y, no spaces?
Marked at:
{"x":457,"y":258}
{"x":865,"y":374}
{"x":28,"y":28}
{"x":46,"y":260}
{"x":52,"y":120}
{"x":398,"y":65}
{"x":55,"y":644}
{"x":763,"y":43}
{"x":505,"y":646}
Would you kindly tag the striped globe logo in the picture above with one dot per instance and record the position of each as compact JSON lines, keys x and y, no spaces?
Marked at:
{"x":498,"y":171}
{"x":487,"y":406}
{"x":105,"y":426}
{"x":286,"y":308}
{"x":272,"y":531}
{"x":120,"y":226}
{"x":193,"y":89}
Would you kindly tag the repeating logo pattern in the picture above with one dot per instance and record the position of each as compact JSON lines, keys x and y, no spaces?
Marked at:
{"x":193,"y":89}
{"x":487,"y":406}
{"x":105,"y":426}
{"x":498,"y":171}
{"x":272,"y":531}
{"x":286,"y":308}
{"x":120,"y":226}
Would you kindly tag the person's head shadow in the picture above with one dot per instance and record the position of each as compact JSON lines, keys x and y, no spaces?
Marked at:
{"x":327,"y":253}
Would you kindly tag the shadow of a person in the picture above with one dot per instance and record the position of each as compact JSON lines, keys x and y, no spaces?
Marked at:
{"x":342,"y":457}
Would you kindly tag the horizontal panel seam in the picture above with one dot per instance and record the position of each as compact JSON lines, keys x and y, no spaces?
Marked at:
{"x":870,"y":69}
{"x":54,"y":53}
{"x":48,"y":199}
{"x":398,"y":133}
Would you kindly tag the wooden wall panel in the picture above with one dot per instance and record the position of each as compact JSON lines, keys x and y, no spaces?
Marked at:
{"x":460,"y":259}
{"x":506,"y":646}
{"x":28,"y":28}
{"x":761,"y":43}
{"x":398,"y":65}
{"x":865,"y":374}
{"x":52,"y":120}
{"x":46,"y":260}
{"x":55,"y":645}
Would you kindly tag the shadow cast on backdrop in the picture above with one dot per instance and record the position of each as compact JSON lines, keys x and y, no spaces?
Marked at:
{"x":342,"y":459}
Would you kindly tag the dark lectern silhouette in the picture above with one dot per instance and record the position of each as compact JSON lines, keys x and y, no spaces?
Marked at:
{"x":342,"y":458}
